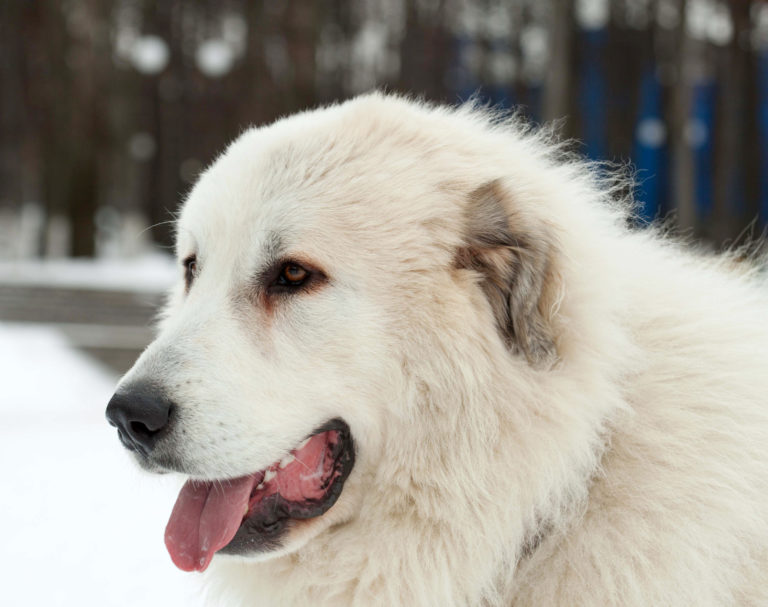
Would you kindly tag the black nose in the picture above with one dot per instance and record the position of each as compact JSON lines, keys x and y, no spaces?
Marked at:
{"x":140,"y":414}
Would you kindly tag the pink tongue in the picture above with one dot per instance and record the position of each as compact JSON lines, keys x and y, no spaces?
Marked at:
{"x":205,"y":518}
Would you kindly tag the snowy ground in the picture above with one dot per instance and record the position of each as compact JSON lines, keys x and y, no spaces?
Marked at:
{"x":80,"y":524}
{"x":151,"y":272}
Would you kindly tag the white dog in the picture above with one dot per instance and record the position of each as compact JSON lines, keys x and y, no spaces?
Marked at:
{"x":418,"y":358}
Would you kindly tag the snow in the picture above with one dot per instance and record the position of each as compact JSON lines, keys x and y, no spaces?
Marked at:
{"x":215,"y":58}
{"x":81,"y":524}
{"x":147,"y":273}
{"x":150,"y":54}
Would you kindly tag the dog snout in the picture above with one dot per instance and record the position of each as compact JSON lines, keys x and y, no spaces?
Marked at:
{"x":140,"y":413}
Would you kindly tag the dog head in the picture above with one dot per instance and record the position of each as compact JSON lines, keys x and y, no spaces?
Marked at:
{"x":322,"y":261}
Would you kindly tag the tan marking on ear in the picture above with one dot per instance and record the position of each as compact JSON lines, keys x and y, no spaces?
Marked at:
{"x":515,"y":258}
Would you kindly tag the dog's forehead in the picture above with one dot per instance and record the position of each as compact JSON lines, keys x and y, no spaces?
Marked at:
{"x":333,"y":172}
{"x":241,"y":197}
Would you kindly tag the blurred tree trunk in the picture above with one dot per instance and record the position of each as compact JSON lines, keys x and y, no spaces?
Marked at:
{"x":680,"y":111}
{"x":166,"y":118}
{"x":83,"y":59}
{"x":63,"y":88}
{"x":339,"y":17}
{"x":410,"y":49}
{"x":425,"y":51}
{"x":559,"y":89}
{"x":300,"y":26}
{"x":48,"y":85}
{"x":752,"y":153}
{"x":85,"y":129}
{"x":12,"y":114}
{"x":731,"y":123}
{"x":259,"y":103}
{"x":520,"y":16}
{"x":630,"y":53}
{"x":436,"y":53}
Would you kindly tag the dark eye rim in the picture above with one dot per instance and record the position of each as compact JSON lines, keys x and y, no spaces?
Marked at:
{"x":277,"y":283}
{"x":190,"y":269}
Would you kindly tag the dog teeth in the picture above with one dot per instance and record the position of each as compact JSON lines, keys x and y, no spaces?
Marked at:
{"x":260,"y":486}
{"x":287,"y":460}
{"x":269,"y":475}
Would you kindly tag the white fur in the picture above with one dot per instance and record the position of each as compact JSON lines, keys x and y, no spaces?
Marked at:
{"x":639,"y":458}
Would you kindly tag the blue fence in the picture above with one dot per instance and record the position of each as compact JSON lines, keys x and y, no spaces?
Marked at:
{"x":644,"y":107}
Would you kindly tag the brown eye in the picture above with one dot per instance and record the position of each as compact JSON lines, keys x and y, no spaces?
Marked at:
{"x":289,"y":277}
{"x":292,"y":275}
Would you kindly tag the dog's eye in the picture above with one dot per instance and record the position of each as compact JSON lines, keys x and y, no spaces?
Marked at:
{"x":289,"y":277}
{"x":292,"y":275}
{"x":190,"y":269}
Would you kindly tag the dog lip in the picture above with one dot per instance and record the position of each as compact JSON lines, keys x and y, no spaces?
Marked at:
{"x":263,"y":528}
{"x":342,"y":453}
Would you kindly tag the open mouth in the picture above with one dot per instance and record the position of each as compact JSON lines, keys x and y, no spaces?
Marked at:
{"x":250,"y":513}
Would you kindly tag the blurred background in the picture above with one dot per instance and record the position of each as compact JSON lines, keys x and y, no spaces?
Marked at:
{"x":109,"y":109}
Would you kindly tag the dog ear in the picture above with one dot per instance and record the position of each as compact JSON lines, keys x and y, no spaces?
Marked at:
{"x":514,"y":257}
